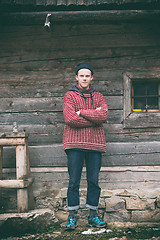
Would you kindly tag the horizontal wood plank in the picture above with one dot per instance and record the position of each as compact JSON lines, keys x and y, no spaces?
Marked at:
{"x":16,"y":183}
{"x":118,"y":154}
{"x":114,"y":46}
{"x":50,"y":104}
{"x":107,"y":180}
{"x":48,"y":84}
{"x":12,"y":141}
{"x":36,"y":18}
{"x":53,"y":133}
{"x":141,"y":120}
{"x":113,"y":178}
{"x":47,"y":118}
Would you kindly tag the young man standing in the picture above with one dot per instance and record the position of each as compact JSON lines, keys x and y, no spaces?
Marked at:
{"x":84,"y":112}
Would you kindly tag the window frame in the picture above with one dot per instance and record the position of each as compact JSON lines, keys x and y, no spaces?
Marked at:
{"x":138,"y":119}
{"x":145,"y":96}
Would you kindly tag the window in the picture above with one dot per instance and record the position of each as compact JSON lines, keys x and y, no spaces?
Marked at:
{"x":145,"y":96}
{"x":141,"y":100}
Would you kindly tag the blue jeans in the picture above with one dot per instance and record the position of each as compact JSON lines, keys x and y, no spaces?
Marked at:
{"x":75,"y":165}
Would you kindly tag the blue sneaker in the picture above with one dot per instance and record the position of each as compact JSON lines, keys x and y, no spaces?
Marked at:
{"x":97,"y":222}
{"x":71,"y":223}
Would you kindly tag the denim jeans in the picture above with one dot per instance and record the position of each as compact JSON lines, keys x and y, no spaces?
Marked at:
{"x":76,"y":160}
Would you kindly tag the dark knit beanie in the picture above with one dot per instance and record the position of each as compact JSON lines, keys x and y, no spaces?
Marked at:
{"x":84,"y":65}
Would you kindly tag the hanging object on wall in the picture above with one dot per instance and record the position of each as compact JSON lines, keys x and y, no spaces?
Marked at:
{"x":47,"y":23}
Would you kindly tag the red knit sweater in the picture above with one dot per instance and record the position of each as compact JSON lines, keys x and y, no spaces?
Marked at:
{"x":85,"y":131}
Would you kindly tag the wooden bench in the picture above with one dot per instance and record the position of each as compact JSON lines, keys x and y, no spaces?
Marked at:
{"x":23,"y":180}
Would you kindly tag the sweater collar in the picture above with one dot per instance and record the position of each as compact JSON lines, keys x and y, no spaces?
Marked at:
{"x":83,"y":90}
{"x":77,"y":88}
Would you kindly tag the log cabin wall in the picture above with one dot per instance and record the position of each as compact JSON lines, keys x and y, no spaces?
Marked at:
{"x":37,"y":68}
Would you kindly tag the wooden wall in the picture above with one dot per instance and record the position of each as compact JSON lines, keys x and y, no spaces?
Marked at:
{"x":37,"y":68}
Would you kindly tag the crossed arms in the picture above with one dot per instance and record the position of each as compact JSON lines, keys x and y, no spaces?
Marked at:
{"x":84,"y":117}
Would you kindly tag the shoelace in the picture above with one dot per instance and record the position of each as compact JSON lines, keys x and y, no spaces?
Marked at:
{"x":71,"y":221}
{"x":97,"y":219}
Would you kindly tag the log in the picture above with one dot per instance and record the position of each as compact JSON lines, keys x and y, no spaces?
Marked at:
{"x":16,"y":183}
{"x":1,"y":157}
{"x":142,"y":120}
{"x":30,"y":190}
{"x":50,"y":104}
{"x":118,"y":154}
{"x":50,"y":118}
{"x":12,"y":141}
{"x":38,"y":18}
{"x":21,"y":171}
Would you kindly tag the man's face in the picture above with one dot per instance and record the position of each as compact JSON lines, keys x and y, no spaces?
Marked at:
{"x":84,"y":78}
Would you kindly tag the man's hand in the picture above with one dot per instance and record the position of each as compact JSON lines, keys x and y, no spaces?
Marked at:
{"x":78,"y":112}
{"x":99,"y":108}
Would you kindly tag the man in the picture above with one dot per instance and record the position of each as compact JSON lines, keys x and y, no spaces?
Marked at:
{"x":84,"y":112}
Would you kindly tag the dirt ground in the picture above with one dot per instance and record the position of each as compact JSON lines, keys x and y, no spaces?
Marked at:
{"x":80,"y":233}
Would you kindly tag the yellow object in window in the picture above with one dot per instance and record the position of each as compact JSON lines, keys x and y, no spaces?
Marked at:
{"x":137,"y":110}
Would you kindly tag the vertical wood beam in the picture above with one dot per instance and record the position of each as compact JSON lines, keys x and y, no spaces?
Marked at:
{"x":21,"y":171}
{"x":30,"y":190}
{"x":1,"y":158}
{"x":127,"y":96}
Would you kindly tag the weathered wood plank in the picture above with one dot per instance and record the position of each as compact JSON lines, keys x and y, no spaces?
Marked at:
{"x":103,"y":169}
{"x":107,"y":180}
{"x":106,"y":81}
{"x":116,"y":37}
{"x":117,"y":133}
{"x":46,"y":118}
{"x":31,"y":118}
{"x":129,"y":62}
{"x":50,"y":3}
{"x":52,"y":133}
{"x":22,"y":173}
{"x":104,"y":51}
{"x":118,"y":154}
{"x":12,"y":141}
{"x":15,"y":183}
{"x":31,"y":104}
{"x":37,"y":18}
{"x":142,"y":120}
{"x":47,"y":104}
{"x":44,"y":84}
{"x":122,"y":60}
{"x":1,"y":159}
{"x":21,"y":162}
{"x":72,"y":31}
{"x":110,"y":178}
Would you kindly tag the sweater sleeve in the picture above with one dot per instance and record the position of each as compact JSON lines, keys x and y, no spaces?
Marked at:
{"x":97,"y":116}
{"x":71,"y":117}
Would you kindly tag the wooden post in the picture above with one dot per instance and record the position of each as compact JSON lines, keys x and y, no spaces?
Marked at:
{"x":30,"y":190}
{"x":23,"y":182}
{"x":21,"y":171}
{"x":1,"y":158}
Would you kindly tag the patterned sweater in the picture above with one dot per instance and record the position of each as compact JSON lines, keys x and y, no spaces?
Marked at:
{"x":84,"y":131}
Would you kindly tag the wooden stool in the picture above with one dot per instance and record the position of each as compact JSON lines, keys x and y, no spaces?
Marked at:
{"x":23,"y":180}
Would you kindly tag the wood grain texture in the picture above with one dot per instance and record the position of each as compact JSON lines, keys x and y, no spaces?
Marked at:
{"x":66,"y":2}
{"x":37,"y":68}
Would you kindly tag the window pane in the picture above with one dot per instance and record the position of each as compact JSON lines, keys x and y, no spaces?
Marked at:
{"x":152,"y":103}
{"x":145,"y":95}
{"x":139,"y":89}
{"x":140,"y":103}
{"x":152,"y":89}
